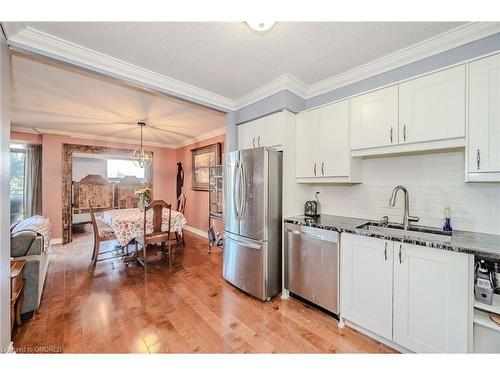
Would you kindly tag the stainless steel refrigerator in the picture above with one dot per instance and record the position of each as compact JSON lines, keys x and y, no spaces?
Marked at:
{"x":252,"y":221}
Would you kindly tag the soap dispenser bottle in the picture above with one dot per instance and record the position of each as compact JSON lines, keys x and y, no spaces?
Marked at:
{"x":447,"y":219}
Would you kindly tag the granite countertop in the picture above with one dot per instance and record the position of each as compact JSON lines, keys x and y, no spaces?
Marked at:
{"x":481,"y":244}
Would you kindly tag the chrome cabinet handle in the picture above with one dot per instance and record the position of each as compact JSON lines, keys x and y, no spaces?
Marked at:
{"x":404,"y":132}
{"x":315,"y":169}
{"x":400,"y":246}
{"x":258,"y":141}
{"x":385,"y":251}
{"x":253,"y":142}
{"x":322,"y":169}
{"x":478,"y":158}
{"x":391,"y":134}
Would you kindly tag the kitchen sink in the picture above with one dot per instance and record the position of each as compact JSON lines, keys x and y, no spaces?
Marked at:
{"x":417,"y":232}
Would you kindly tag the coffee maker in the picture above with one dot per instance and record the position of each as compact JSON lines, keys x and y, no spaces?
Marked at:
{"x":312,"y":208}
{"x":484,"y":286}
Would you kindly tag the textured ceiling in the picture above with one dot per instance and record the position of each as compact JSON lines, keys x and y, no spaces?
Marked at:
{"x":55,"y":98}
{"x":231,"y":60}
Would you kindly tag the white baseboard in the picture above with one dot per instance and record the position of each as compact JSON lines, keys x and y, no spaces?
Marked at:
{"x":56,"y":241}
{"x":197,"y":231}
{"x":389,"y":343}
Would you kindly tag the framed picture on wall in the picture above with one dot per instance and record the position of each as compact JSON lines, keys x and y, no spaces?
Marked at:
{"x":202,"y":159}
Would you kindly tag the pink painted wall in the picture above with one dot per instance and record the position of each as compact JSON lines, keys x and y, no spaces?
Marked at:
{"x":164,"y":171}
{"x":164,"y":176}
{"x":196,"y":201}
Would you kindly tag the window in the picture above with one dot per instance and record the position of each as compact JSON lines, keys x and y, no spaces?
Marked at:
{"x":118,"y":168}
{"x":17,"y":158}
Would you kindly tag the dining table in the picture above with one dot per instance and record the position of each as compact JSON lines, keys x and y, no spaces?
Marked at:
{"x":128,"y":223}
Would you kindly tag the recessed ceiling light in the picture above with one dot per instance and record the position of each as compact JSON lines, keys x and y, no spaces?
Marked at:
{"x":260,"y":26}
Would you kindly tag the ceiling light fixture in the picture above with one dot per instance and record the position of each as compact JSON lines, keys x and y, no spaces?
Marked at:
{"x":140,"y":157}
{"x":260,"y":26}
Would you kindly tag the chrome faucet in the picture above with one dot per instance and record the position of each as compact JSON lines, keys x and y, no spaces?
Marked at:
{"x":406,"y":214}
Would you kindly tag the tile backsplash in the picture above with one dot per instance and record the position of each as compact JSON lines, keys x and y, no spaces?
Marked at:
{"x":434,"y":181}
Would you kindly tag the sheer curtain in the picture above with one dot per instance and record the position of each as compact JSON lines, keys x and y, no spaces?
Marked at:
{"x":33,"y":181}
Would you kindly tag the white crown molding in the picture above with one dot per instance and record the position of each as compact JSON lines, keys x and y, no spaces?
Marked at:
{"x":23,"y":129}
{"x":39,"y":42}
{"x":285,"y":82}
{"x":453,"y":38}
{"x":203,"y":137}
{"x":71,"y":134}
{"x":12,"y":28}
{"x":36,"y":41}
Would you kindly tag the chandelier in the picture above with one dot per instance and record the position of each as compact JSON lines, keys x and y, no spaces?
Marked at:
{"x":141,"y":158}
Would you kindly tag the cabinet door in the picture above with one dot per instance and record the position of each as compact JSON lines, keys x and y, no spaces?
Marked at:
{"x":373,"y":118}
{"x":307,"y":146}
{"x":270,"y":130}
{"x":334,"y":151}
{"x":366,"y":283}
{"x":484,"y":115}
{"x":431,"y":299}
{"x":247,"y":135}
{"x":433,"y":107}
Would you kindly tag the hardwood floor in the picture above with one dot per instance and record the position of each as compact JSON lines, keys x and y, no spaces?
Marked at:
{"x":119,"y":309}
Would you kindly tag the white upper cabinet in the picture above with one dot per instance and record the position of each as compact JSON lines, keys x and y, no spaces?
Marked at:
{"x":323,"y":152}
{"x":373,"y":119}
{"x":431,"y":299}
{"x":306,"y":155}
{"x":366,"y":285}
{"x":334,"y":152}
{"x":246,"y":135}
{"x":432,"y":107}
{"x":484,"y":120}
{"x":265,"y":131}
{"x":425,"y":113}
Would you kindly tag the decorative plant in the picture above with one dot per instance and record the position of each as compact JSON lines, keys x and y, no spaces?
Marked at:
{"x":144,"y":194}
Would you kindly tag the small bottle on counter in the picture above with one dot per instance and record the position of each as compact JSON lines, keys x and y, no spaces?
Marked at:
{"x":447,"y":219}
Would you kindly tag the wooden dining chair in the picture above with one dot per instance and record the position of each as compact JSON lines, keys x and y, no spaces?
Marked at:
{"x":102,"y":232}
{"x":181,"y":206}
{"x":157,"y":236}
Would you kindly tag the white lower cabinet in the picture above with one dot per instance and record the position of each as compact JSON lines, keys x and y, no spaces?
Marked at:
{"x":414,"y":296}
{"x":431,"y":299}
{"x":366,"y":286}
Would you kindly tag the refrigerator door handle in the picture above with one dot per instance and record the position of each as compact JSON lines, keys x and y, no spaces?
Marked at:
{"x":235,"y":189}
{"x":245,"y":244}
{"x":243,"y":196}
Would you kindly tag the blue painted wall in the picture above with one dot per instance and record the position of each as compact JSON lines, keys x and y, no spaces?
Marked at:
{"x":277,"y":102}
{"x":231,"y":132}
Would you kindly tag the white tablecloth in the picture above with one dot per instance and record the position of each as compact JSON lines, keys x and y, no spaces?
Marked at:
{"x":128,"y":223}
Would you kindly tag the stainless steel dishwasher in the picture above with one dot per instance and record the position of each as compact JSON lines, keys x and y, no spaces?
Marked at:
{"x":312,"y":265}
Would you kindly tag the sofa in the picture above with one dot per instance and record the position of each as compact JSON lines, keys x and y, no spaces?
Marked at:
{"x":30,"y":241}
